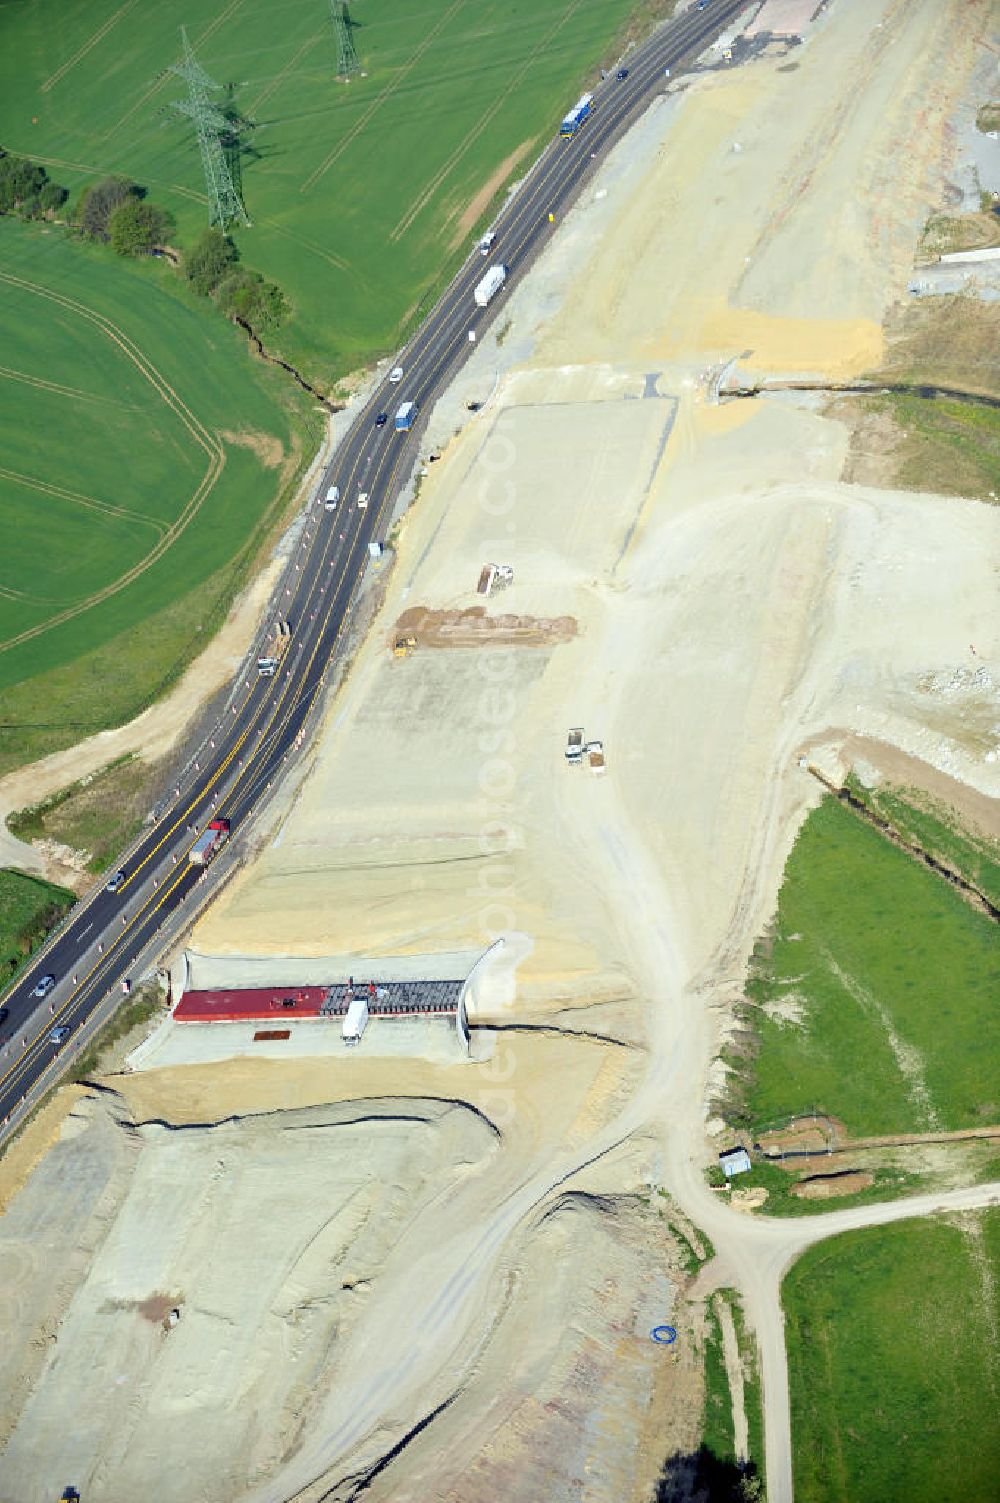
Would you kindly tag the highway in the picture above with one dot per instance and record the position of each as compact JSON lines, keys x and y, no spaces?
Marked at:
{"x":111,"y":936}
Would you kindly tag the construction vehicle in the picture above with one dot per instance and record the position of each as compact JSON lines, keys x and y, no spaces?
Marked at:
{"x":494,"y":576}
{"x":490,"y":285}
{"x":209,"y":844}
{"x":574,"y":746}
{"x":403,"y":646}
{"x":356,"y":1020}
{"x":595,"y":756}
{"x":280,"y":636}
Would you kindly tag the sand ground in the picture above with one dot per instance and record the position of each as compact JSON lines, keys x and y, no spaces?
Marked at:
{"x":734,"y":604}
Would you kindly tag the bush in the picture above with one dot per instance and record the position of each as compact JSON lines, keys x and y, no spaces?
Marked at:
{"x":52,"y":197}
{"x":135,"y":227}
{"x":245,"y":295}
{"x":208,"y":261}
{"x":100,"y":201}
{"x":25,"y":188}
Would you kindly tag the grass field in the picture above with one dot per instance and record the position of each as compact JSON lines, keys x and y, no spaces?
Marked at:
{"x":927,"y":822}
{"x":893,"y":1362}
{"x":100,"y":814}
{"x":142,"y":451}
{"x":943,"y":446}
{"x":360,"y":194}
{"x":29,"y":907}
{"x":874,"y":996}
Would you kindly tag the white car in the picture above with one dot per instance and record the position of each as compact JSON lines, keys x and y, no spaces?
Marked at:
{"x":396,"y":374}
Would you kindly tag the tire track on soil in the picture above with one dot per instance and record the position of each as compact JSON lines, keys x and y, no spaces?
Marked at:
{"x":205,"y":440}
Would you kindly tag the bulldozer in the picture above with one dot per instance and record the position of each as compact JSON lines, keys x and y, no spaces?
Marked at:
{"x":404,"y":646}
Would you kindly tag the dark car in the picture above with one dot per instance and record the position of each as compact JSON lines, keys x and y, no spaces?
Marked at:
{"x":4,"y":1014}
{"x":381,"y":420}
{"x":115,"y":882}
{"x":621,"y":75}
{"x":44,"y":986}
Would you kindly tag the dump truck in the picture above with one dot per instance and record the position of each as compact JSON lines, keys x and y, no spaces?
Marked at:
{"x":494,"y":577}
{"x":574,"y":746}
{"x":356,"y":1020}
{"x":490,"y":285}
{"x":210,"y":843}
{"x":281,"y":635}
{"x":595,"y":756}
{"x":405,"y":417}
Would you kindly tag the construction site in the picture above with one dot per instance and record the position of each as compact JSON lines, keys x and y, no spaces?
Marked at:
{"x":393,"y":1195}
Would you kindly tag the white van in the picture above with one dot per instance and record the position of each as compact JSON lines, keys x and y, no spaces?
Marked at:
{"x":332,"y":497}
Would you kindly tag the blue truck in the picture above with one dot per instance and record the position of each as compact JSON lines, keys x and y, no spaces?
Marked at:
{"x":577,"y":115}
{"x":405,"y":416}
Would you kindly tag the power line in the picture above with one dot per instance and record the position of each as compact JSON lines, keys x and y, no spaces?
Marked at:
{"x":347,"y":58}
{"x":225,"y":206}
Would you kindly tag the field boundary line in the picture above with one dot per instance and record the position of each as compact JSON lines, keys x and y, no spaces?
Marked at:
{"x":89,"y":167}
{"x":92,"y":42}
{"x":158,"y":83}
{"x":380,"y":99}
{"x":429,"y":189}
{"x":207,"y":441}
{"x":65,"y":391}
{"x":280,"y":76}
{"x":318,"y":250}
{"x":49,"y":488}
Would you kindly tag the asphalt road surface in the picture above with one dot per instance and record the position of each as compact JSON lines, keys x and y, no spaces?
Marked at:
{"x":111,"y":936}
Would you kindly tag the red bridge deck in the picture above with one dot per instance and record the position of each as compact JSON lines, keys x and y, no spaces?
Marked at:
{"x":384,"y":998}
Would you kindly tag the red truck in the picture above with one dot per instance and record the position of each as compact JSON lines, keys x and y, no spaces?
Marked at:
{"x":210,"y":843}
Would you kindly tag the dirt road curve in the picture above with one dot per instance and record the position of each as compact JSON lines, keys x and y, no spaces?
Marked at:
{"x":752,"y":1254}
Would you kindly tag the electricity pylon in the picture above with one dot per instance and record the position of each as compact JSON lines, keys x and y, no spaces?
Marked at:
{"x":224,"y":203}
{"x":347,"y":58}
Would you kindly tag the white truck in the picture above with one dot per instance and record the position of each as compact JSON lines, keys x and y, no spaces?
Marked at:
{"x":490,"y":285}
{"x":356,"y":1020}
{"x":277,"y":646}
{"x":332,"y":497}
{"x":574,"y":746}
{"x":210,"y":843}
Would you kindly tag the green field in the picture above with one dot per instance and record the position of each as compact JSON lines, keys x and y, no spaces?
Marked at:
{"x":29,"y":908}
{"x":142,"y":450}
{"x":893,"y":1363}
{"x":100,"y":814}
{"x":931,"y":825}
{"x":360,"y":193}
{"x":894,"y":979}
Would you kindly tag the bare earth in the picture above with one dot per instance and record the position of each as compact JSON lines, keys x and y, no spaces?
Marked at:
{"x":459,"y":1258}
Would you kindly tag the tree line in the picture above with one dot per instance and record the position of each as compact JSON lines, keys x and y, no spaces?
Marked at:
{"x":116,"y":211}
